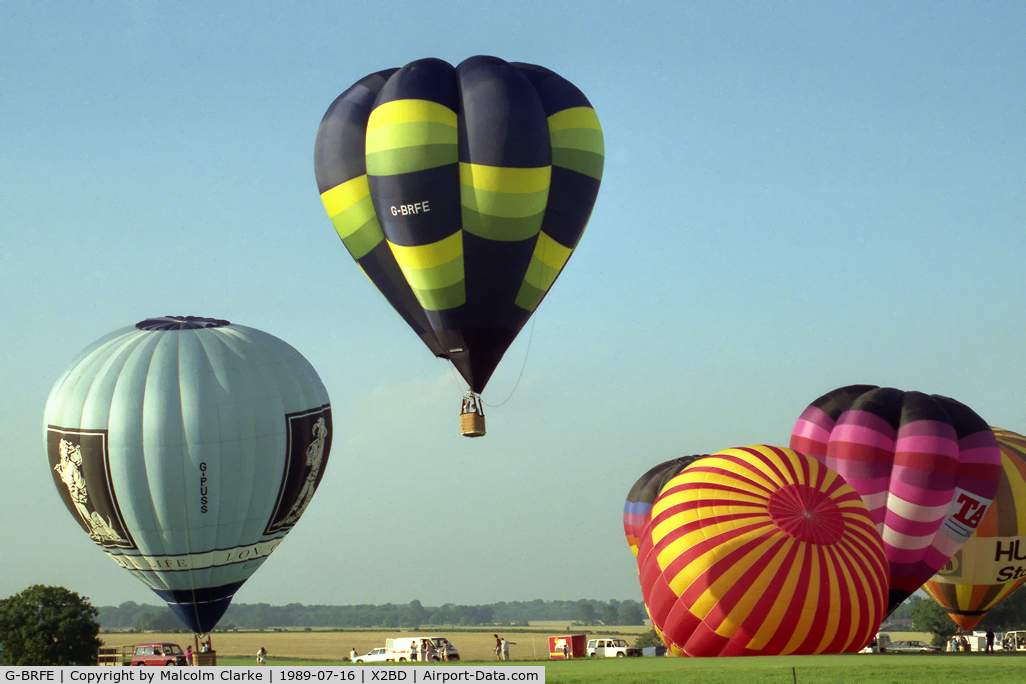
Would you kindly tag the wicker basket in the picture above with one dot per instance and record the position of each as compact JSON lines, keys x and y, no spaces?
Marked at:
{"x":472,"y":424}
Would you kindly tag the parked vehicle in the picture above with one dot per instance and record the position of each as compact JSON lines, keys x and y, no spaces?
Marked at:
{"x":978,"y":641}
{"x":159,"y":653}
{"x":1013,"y":641}
{"x":567,"y":646}
{"x":610,"y":648}
{"x":376,"y":655}
{"x":881,"y":643}
{"x":400,"y":648}
{"x":911,"y":646}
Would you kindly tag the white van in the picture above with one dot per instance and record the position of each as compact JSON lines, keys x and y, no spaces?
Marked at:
{"x":400,"y":649}
{"x":608,"y":647}
{"x":1013,"y":641}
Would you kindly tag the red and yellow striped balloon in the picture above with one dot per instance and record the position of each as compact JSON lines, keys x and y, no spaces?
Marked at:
{"x":762,"y":550}
{"x":992,"y":562}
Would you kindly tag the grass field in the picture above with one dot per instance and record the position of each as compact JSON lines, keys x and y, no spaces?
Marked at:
{"x":332,"y":648}
{"x":939,"y":667}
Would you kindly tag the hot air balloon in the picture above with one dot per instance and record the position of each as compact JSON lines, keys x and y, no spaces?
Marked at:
{"x":926,"y":466}
{"x":644,"y":493}
{"x":762,"y":550}
{"x":461,"y":192}
{"x":990,"y":565}
{"x":187,"y":448}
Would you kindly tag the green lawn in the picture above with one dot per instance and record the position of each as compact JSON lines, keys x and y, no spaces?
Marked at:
{"x":935,"y":668}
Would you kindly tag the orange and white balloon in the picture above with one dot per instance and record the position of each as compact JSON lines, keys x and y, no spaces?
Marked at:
{"x":762,"y":550}
{"x":992,"y":563}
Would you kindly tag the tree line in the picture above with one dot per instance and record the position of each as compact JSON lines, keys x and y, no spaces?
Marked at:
{"x":144,"y":617}
{"x":46,"y":625}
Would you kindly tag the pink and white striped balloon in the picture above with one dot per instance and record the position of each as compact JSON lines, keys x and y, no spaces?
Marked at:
{"x":926,"y":466}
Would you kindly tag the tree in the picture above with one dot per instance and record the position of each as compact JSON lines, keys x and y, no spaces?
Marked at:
{"x":586,"y":613}
{"x":649,"y":638}
{"x":414,"y":616}
{"x":610,"y":615}
{"x":631,"y":614}
{"x":157,"y":620}
{"x":46,"y":625}
{"x":928,"y":616}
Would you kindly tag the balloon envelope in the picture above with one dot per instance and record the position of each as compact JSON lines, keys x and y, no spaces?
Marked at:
{"x":643,"y":494}
{"x":992,"y":563}
{"x":762,"y":551}
{"x":461,"y":192}
{"x":926,"y":466}
{"x":187,"y":448}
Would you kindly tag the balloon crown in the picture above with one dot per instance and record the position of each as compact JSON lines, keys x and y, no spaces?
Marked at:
{"x":180,"y":323}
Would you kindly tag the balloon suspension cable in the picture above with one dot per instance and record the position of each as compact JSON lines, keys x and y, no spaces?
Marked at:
{"x":522,"y":367}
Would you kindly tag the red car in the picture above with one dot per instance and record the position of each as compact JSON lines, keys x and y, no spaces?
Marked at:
{"x":159,"y":654}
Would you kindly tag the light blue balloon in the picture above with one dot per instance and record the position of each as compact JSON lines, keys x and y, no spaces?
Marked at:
{"x":187,"y":448}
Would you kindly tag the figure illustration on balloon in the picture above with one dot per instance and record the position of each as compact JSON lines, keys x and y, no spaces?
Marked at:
{"x":99,"y":529}
{"x":314,"y":456}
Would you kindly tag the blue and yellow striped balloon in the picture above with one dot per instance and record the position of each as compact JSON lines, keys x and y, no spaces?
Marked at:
{"x":461,"y":192}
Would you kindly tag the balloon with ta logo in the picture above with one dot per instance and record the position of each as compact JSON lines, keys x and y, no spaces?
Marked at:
{"x":989,"y":566}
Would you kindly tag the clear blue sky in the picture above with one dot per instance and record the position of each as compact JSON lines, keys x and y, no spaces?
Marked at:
{"x":797,"y":196}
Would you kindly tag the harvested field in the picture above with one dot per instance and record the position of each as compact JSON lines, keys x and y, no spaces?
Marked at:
{"x":531,"y":642}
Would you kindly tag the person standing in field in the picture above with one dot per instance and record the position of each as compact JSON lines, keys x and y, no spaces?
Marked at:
{"x":413,"y":650}
{"x":261,"y":655}
{"x":352,"y":654}
{"x":498,"y":647}
{"x":505,"y":648}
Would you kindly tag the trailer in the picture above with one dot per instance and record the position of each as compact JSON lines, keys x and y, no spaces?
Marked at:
{"x":114,"y":656}
{"x":567,"y":646}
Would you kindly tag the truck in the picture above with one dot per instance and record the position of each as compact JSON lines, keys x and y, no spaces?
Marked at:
{"x":400,"y":649}
{"x":609,"y":647}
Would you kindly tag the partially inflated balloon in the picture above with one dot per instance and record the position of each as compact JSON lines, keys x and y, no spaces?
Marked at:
{"x":926,"y":466}
{"x":461,"y":192}
{"x":643,"y":494}
{"x":992,"y":563}
{"x":187,"y":448}
{"x":762,"y":551}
